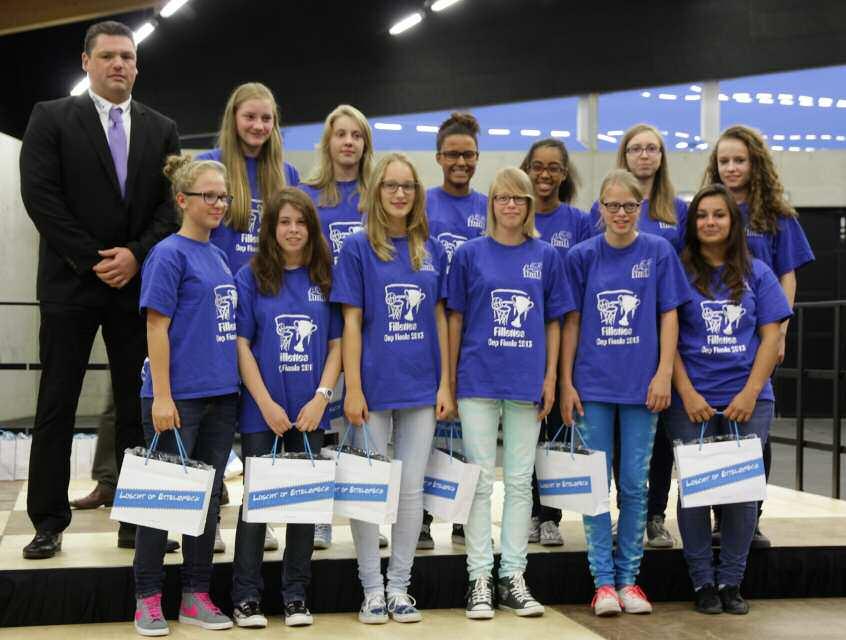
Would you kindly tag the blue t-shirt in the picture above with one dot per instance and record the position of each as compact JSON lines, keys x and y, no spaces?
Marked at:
{"x":673,"y":233}
{"x":239,"y":246}
{"x":563,"y":228}
{"x":400,"y":356}
{"x":289,"y":336}
{"x":784,"y":251}
{"x":621,"y":294}
{"x":340,"y":221}
{"x":454,"y":220}
{"x":507,"y":294}
{"x":718,"y":339}
{"x":190,"y":283}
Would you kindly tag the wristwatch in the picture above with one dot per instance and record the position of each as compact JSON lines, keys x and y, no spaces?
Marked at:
{"x":326,"y":392}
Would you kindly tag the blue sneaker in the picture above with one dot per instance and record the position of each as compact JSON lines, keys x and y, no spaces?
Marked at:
{"x":401,"y":608}
{"x":373,"y":609}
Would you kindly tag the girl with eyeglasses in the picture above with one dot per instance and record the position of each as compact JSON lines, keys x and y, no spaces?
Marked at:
{"x":190,"y":380}
{"x":507,"y":294}
{"x":627,"y":286}
{"x":562,"y":225}
{"x":728,"y":345}
{"x":741,"y":161}
{"x":391,"y":281}
{"x":456,"y":214}
{"x":289,"y":354}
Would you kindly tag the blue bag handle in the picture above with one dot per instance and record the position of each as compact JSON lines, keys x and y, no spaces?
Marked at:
{"x":307,"y":447}
{"x":274,"y":450}
{"x":180,"y":448}
{"x":366,"y":442}
{"x":733,"y":427}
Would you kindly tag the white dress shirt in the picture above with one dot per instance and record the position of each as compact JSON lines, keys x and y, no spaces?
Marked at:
{"x":103,"y":107}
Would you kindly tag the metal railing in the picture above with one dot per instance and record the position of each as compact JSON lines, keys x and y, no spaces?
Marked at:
{"x":801,"y":375}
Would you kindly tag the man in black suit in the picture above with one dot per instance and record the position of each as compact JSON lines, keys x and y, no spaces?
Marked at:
{"x":92,"y":182}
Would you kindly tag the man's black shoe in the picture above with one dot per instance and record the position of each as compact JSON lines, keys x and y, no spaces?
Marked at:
{"x":44,"y":545}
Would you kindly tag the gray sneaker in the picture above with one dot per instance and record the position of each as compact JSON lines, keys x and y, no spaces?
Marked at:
{"x":322,"y":536}
{"x":550,"y":535}
{"x":534,"y":529}
{"x":657,"y":535}
{"x":425,"y":541}
{"x":198,"y":609}
{"x":149,"y":620}
{"x":270,"y":541}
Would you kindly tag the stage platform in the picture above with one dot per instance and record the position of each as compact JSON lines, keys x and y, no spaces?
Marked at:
{"x":90,"y":580}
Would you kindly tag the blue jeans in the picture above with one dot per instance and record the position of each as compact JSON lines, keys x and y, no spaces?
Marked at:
{"x":208,"y":427}
{"x":413,"y":431}
{"x":738,"y":520}
{"x":520,"y":429}
{"x":247,"y":583}
{"x":637,"y":433}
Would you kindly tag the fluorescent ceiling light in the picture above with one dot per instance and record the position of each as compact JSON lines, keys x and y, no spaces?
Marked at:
{"x":667,"y":96}
{"x":723,"y":97}
{"x":530,"y":133}
{"x":777,"y":147}
{"x":682,"y":134}
{"x":841,"y":104}
{"x":785,"y":96}
{"x":778,"y":136}
{"x":692,"y":97}
{"x":824,"y":102}
{"x":696,"y":88}
{"x":702,"y":146}
{"x":143,"y":32}
{"x":681,"y":145}
{"x":172,"y":7}
{"x":794,"y":148}
{"x":499,"y":132}
{"x":427,"y":128}
{"x":810,"y":136}
{"x":440,"y":5}
{"x":795,"y":136}
{"x":406,"y":23}
{"x":616,"y":132}
{"x":387,"y":126}
{"x":81,"y":86}
{"x":841,"y":138}
{"x":825,"y":136}
{"x":604,"y":138}
{"x":559,"y":133}
{"x":809,"y":148}
{"x":645,"y":94}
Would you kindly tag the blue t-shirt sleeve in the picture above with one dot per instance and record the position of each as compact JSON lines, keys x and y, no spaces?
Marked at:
{"x":770,"y":300}
{"x":245,"y":283}
{"x":575,"y":274}
{"x":673,"y":287}
{"x":791,"y":249}
{"x":160,"y":279}
{"x":457,"y":280}
{"x":558,"y":300}
{"x":442,"y":265}
{"x":292,"y":176}
{"x":348,"y":279}
{"x":336,"y":322}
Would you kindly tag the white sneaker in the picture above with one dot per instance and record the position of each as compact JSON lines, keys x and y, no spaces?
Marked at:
{"x":373,"y":609}
{"x":270,"y":541}
{"x":401,"y":608}
{"x":634,"y":600}
{"x":606,"y":602}
{"x":550,"y":535}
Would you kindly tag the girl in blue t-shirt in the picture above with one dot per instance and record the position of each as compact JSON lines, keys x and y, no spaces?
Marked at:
{"x":289,"y":353}
{"x":190,"y":380}
{"x":728,"y":345}
{"x":391,"y":280}
{"x":617,"y":359}
{"x":554,"y":181}
{"x":249,"y":145}
{"x":507,"y":293}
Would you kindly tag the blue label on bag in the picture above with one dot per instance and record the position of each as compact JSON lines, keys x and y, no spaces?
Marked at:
{"x":721,"y":477}
{"x":159,"y":499}
{"x":278,"y":496}
{"x":440,"y":487}
{"x":564,"y":486}
{"x":361,"y":492}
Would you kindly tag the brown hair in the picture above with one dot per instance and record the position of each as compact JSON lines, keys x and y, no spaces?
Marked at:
{"x":569,"y":185}
{"x":268,"y":264}
{"x":738,"y":262}
{"x":107,"y":28}
{"x":661,"y":205}
{"x":458,"y":124}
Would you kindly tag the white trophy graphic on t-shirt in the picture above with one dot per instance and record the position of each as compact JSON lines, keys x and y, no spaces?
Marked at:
{"x":561,"y":239}
{"x":403,"y":299}
{"x":253,"y":221}
{"x":721,"y":316}
{"x":296,"y":329}
{"x":339,"y":231}
{"x":225,"y":302}
{"x":450,"y":242}
{"x":618,"y":301}
{"x":511,"y":306}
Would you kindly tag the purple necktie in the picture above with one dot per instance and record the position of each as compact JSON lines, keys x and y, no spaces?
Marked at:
{"x":117,"y":145}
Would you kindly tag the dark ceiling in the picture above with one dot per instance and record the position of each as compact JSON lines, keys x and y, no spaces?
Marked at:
{"x":318,"y":53}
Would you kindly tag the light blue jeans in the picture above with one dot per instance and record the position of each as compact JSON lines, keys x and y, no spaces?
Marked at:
{"x":413,"y":431}
{"x":637,"y":433}
{"x":520,"y":429}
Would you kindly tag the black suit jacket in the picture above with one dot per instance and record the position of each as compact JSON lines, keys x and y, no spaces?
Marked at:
{"x":70,"y":190}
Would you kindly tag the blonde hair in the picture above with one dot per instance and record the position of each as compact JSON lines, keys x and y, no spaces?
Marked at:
{"x":622,"y":178}
{"x":661,"y":201}
{"x":322,"y":176}
{"x":515,"y":182}
{"x":270,"y":159}
{"x":417,"y":226}
{"x":183,"y":171}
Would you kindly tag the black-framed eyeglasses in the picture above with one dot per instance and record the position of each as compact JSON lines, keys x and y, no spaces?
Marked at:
{"x":453,"y":156}
{"x":637,"y":149}
{"x":503,"y":199}
{"x":392,"y":186}
{"x":553,"y":168}
{"x":211,"y":198}
{"x":628,"y":207}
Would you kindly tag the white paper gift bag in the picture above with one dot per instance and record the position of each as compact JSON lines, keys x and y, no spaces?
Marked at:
{"x":156,"y":493}
{"x":7,"y":455}
{"x":82,"y":455}
{"x":450,"y":482}
{"x":366,"y":483}
{"x":572,"y":478}
{"x":287,"y":489}
{"x":721,"y":472}
{"x":23,"y":444}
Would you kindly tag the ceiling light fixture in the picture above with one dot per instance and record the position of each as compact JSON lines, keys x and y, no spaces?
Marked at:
{"x":406,"y":23}
{"x":440,"y":5}
{"x":172,"y":7}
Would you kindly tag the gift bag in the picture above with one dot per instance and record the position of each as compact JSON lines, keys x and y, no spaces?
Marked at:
{"x":449,"y":485}
{"x":367,"y":484}
{"x":572,"y":478}
{"x":7,"y":455}
{"x":163,"y":491}
{"x":23,"y":443}
{"x":289,"y":488}
{"x":720,"y":471}
{"x":82,"y":455}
